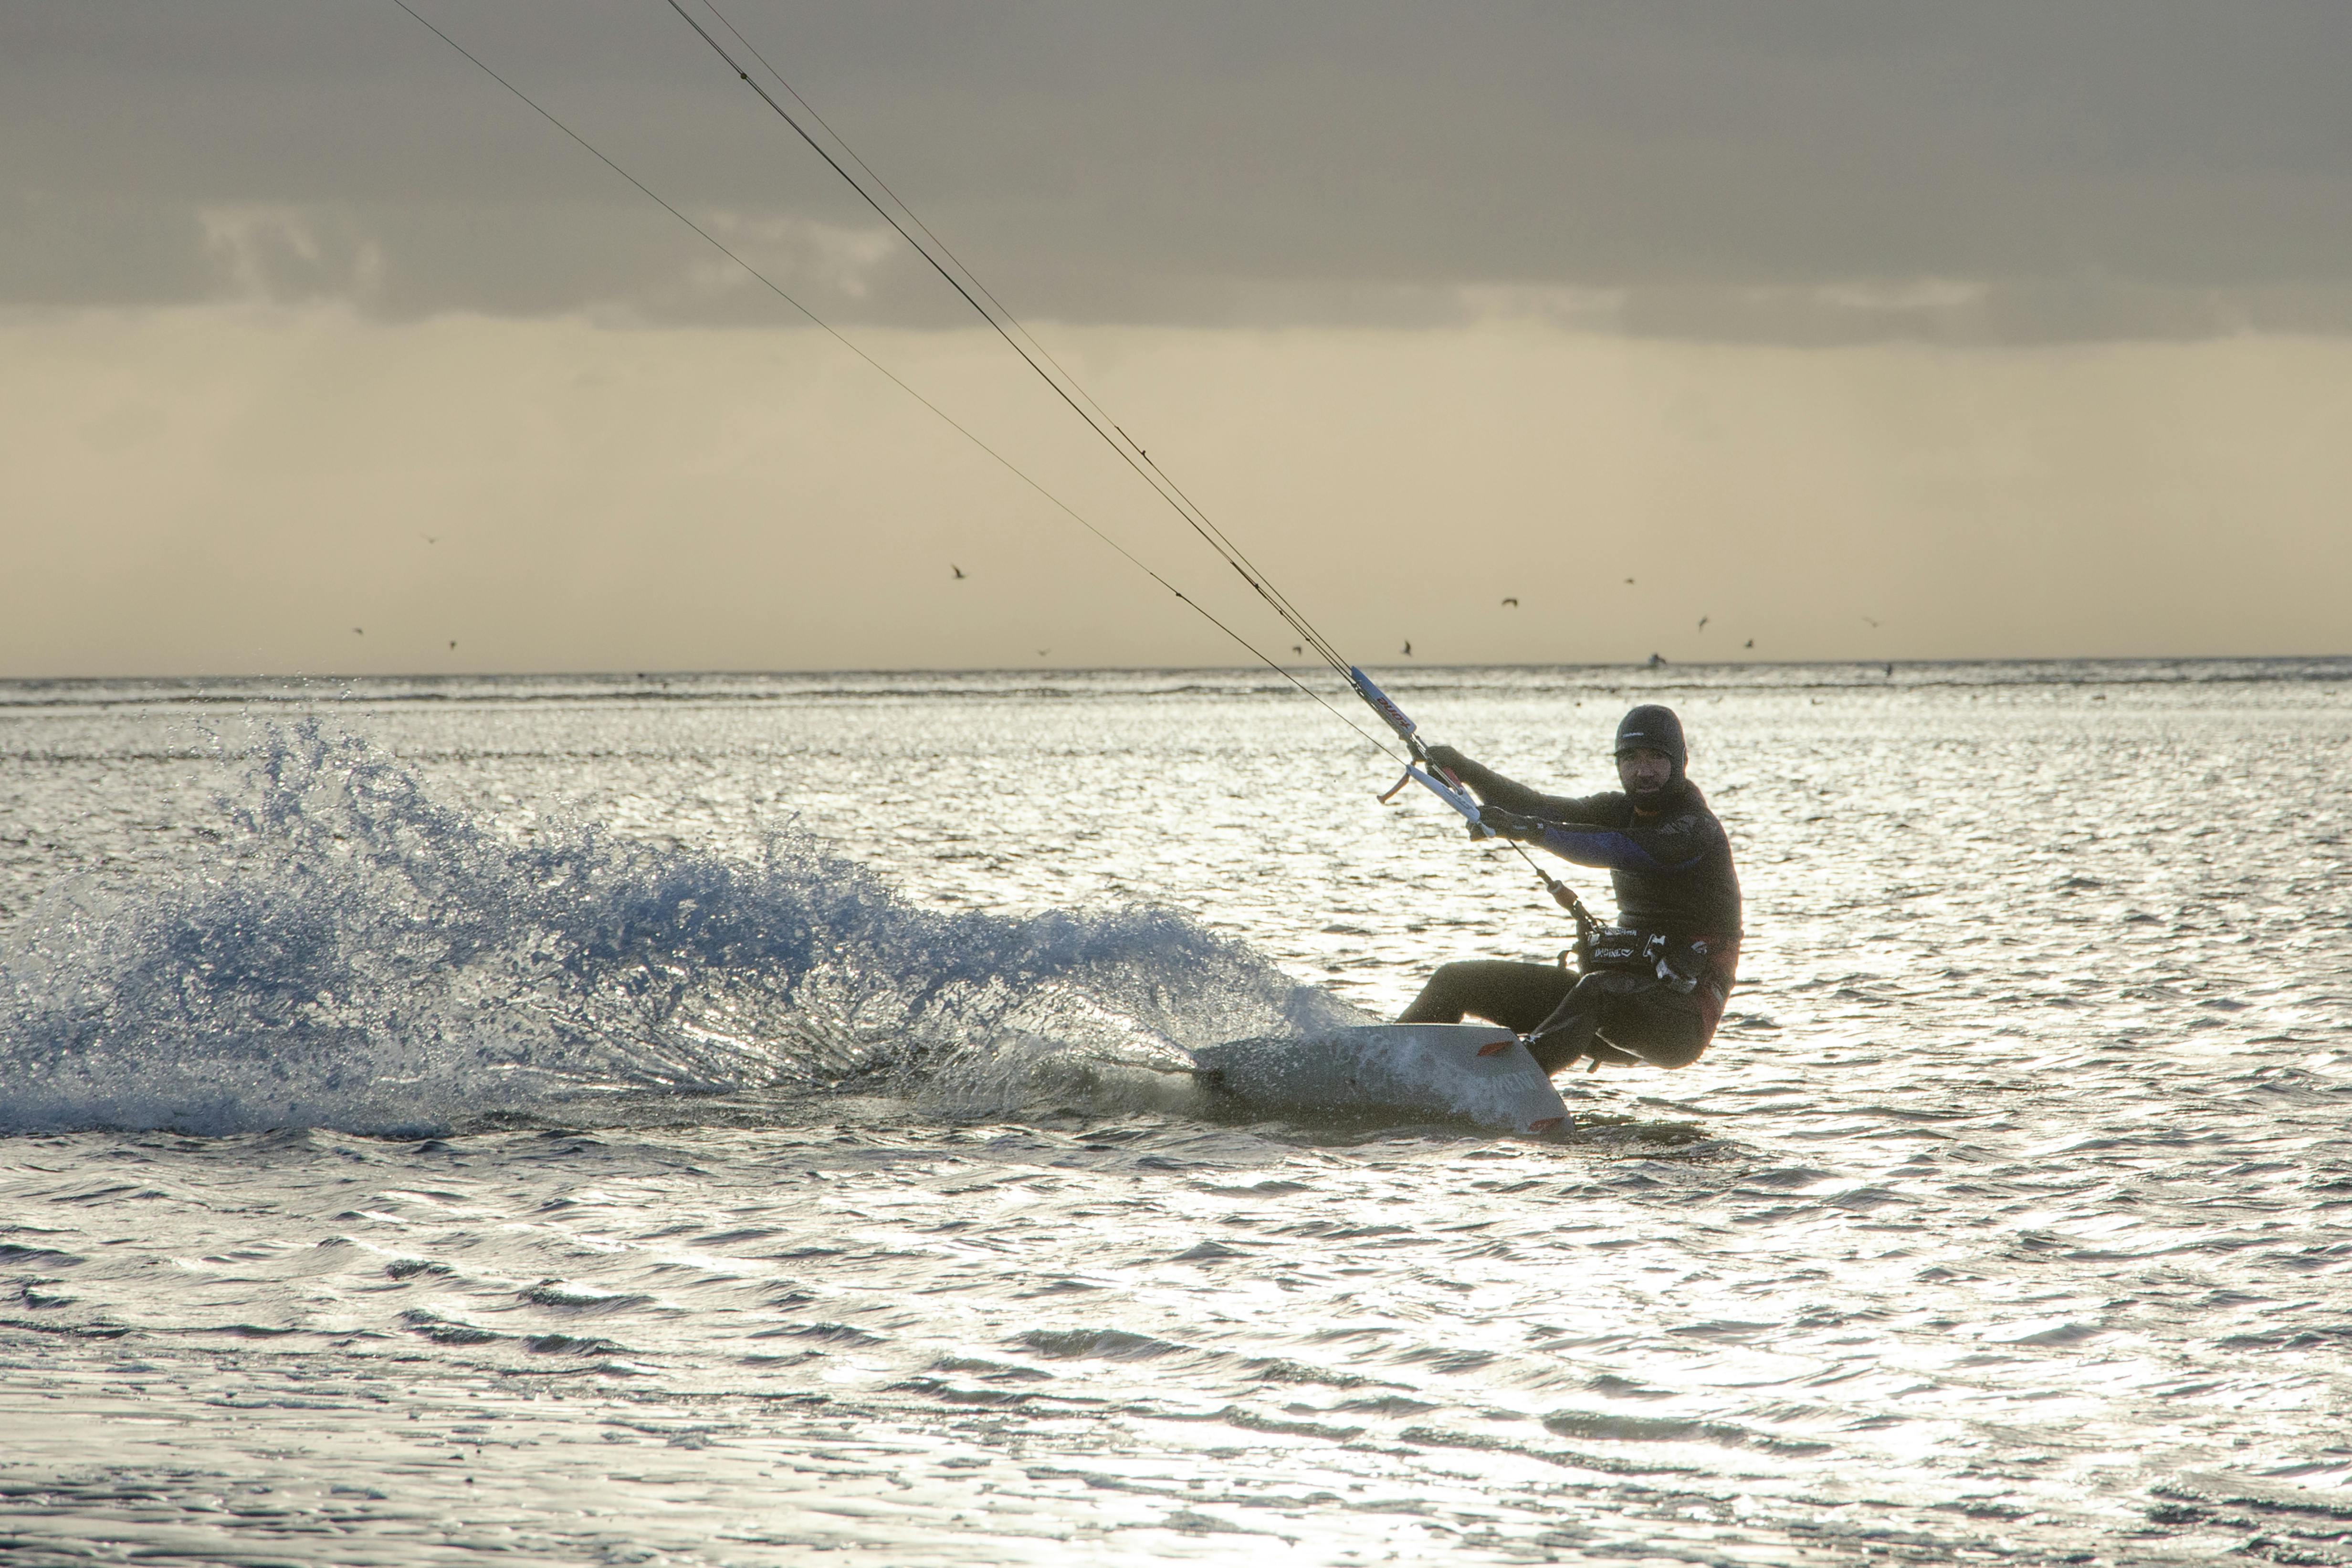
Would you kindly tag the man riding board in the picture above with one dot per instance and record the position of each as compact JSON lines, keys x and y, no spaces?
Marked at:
{"x":1650,"y":989}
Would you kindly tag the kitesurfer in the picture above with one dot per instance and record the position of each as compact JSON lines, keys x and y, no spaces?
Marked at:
{"x":1651,"y":988}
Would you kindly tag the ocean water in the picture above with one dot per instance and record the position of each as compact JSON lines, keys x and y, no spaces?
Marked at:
{"x":717,"y":1120}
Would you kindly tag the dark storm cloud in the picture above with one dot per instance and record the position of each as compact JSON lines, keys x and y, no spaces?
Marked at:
{"x":1795,"y":171}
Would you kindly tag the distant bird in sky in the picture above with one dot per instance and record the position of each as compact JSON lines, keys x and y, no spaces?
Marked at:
{"x":1298,"y":650}
{"x":1629,"y":581}
{"x":1043,"y":651}
{"x":1872,"y":622}
{"x":1752,"y":642}
{"x":957,"y":570}
{"x":1513,"y":603}
{"x":453,"y":642}
{"x":1408,"y":647}
{"x":430,"y":538}
{"x":359,"y":632}
{"x":1703,"y":620}
{"x":1656,"y":659}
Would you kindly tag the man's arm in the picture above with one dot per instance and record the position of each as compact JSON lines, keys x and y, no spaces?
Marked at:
{"x":1677,"y":844}
{"x":1493,"y":789}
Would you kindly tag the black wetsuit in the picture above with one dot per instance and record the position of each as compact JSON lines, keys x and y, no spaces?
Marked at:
{"x":1671,"y":869}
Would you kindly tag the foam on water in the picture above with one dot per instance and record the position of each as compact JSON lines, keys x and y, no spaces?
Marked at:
{"x":354,"y":954}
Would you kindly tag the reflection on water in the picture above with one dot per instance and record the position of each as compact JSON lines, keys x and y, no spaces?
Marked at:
{"x":672,"y":1192}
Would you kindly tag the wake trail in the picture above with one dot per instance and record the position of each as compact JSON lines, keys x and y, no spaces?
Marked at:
{"x":352,"y":953}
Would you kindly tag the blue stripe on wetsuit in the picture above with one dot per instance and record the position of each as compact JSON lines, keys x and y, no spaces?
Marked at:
{"x":1609,"y":846}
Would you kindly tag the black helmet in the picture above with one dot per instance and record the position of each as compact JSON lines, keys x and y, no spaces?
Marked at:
{"x":1654,"y":726}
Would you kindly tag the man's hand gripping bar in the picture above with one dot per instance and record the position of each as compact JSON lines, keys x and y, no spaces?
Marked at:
{"x":1448,"y":788}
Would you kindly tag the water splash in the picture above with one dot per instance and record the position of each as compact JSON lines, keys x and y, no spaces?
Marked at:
{"x":355,"y":954}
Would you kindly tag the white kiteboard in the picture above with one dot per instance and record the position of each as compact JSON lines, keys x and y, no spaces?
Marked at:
{"x":1472,"y":1071}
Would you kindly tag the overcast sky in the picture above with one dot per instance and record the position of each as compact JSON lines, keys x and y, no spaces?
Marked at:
{"x":1785,"y":171}
{"x":1854,"y":264}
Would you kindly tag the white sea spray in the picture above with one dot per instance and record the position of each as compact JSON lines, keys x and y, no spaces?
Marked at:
{"x":353,"y":954}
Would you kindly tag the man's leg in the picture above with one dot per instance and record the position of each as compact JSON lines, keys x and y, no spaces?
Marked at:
{"x":1664,"y":1026}
{"x":1568,"y":1031}
{"x":1635,"y":1014}
{"x":1519,"y":996}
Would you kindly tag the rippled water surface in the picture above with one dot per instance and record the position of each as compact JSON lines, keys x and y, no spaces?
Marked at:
{"x":702,"y":1121}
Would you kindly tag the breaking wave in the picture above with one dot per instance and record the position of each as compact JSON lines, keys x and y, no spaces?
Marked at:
{"x":354,"y":954}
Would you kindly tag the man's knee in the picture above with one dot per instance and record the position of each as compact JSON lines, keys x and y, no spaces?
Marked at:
{"x":1443,"y":996}
{"x":1643,"y":1018}
{"x":1670,"y":1053}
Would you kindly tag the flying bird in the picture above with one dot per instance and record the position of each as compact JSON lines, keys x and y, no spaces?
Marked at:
{"x":957,"y":570}
{"x":453,"y":642}
{"x":1629,"y":581}
{"x":1752,"y":642}
{"x":1298,"y":650}
{"x":358,"y":632}
{"x":1872,"y":622}
{"x":1513,"y":603}
{"x":1703,"y":620}
{"x":1408,"y":647}
{"x":430,"y":538}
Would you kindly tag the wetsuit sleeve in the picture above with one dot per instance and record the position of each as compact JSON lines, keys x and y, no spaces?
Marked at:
{"x":1493,"y":789}
{"x":1677,"y":844}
